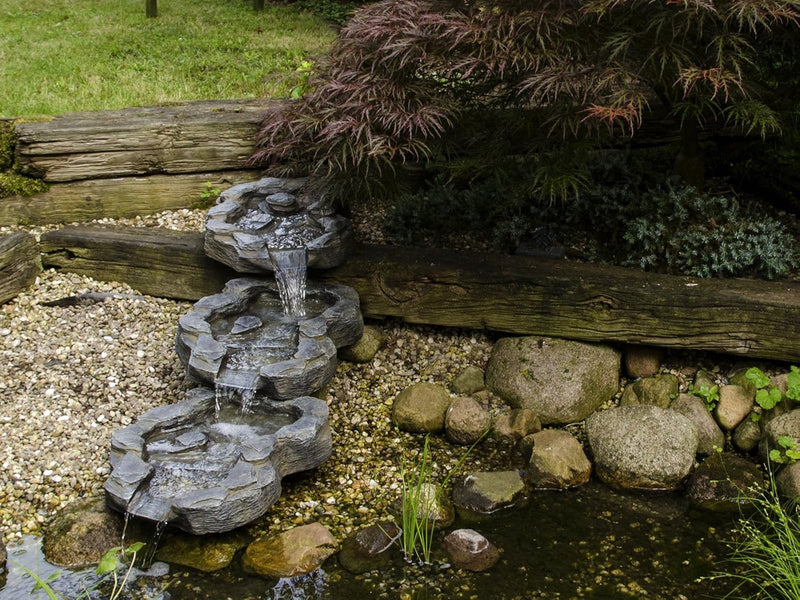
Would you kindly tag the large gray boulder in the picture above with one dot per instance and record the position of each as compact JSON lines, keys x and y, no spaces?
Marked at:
{"x":642,"y":447}
{"x":559,"y":380}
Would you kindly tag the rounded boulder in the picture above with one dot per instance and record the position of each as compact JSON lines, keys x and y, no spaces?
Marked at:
{"x":642,"y":447}
{"x":561,"y":381}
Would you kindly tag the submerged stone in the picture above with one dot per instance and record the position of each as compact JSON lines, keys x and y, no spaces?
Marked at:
{"x":297,"y":551}
{"x":370,"y":548}
{"x":81,"y":533}
{"x":204,"y":553}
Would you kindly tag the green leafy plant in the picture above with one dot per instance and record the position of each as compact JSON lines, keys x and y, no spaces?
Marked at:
{"x":767,"y":395}
{"x":793,"y":383}
{"x":302,"y":75}
{"x":108,"y":564}
{"x":789,"y":454}
{"x":208,"y":195}
{"x":677,"y":229}
{"x":708,"y":393}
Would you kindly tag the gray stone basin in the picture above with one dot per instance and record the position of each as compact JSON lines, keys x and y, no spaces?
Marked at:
{"x":253,"y":217}
{"x":241,"y":338}
{"x":209,"y":471}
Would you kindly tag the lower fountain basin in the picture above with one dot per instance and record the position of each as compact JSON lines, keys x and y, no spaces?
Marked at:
{"x":208,"y":470}
{"x":242,"y":340}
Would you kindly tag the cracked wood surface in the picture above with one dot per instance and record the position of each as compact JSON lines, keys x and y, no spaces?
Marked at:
{"x":510,"y":294}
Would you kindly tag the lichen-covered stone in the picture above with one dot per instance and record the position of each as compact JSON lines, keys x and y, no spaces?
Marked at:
{"x":487,"y":492}
{"x":658,"y":390}
{"x":81,"y":534}
{"x":561,"y":381}
{"x":642,"y":447}
{"x":514,"y":425}
{"x":365,"y":348}
{"x":468,"y":381}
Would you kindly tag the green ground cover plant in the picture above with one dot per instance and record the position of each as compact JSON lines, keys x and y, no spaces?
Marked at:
{"x":59,"y":56}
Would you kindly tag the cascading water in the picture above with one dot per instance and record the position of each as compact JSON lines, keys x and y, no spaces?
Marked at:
{"x":290,"y":265}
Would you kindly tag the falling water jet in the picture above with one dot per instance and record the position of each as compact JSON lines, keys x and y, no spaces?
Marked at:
{"x":290,"y":265}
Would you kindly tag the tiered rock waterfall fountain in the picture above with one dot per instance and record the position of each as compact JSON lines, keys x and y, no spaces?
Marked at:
{"x":214,"y":461}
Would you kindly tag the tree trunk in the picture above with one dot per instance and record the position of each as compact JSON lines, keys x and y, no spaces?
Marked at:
{"x":689,"y":162}
{"x":151,"y":8}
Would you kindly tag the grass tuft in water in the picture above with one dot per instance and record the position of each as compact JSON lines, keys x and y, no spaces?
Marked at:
{"x":766,"y":556}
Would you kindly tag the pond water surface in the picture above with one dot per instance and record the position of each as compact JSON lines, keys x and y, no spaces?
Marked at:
{"x":587,"y":543}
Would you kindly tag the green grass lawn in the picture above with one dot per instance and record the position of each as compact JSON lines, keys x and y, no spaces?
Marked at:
{"x":59,"y":56}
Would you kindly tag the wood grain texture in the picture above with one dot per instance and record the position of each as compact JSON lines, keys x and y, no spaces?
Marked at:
{"x":158,"y":262}
{"x":20,"y":263}
{"x":115,"y":198}
{"x":191,"y":137}
{"x":511,"y":294}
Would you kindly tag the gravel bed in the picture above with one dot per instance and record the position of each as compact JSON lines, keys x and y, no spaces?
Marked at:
{"x":71,"y":376}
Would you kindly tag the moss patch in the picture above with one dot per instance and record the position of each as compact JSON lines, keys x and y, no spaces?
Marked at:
{"x":12,"y":184}
{"x":8,"y":139}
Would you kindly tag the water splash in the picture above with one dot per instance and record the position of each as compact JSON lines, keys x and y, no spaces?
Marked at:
{"x":290,"y":266}
{"x":301,"y":587}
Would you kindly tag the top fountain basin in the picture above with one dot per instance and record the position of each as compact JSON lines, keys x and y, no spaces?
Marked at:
{"x":251,"y":218}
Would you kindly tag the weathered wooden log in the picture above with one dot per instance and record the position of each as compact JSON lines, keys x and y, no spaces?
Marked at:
{"x":158,"y":262}
{"x":194,"y":137}
{"x":20,"y":263}
{"x":115,"y":198}
{"x":588,"y":302}
{"x":513,"y":294}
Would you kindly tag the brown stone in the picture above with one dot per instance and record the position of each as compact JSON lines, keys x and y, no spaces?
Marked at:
{"x":294,"y":552}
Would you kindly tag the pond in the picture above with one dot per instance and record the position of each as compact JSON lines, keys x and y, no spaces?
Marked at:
{"x":591,"y":542}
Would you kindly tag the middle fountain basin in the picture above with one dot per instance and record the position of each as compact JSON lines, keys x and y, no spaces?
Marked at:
{"x":240,"y":339}
{"x":210,"y":469}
